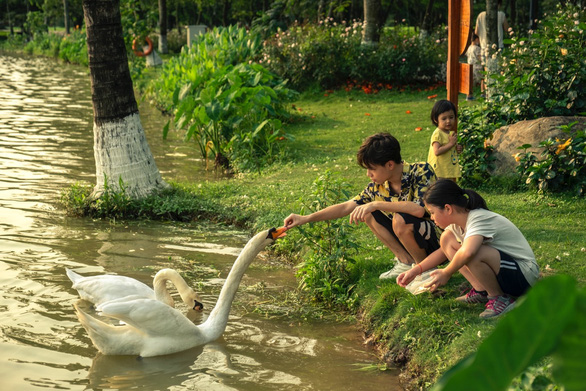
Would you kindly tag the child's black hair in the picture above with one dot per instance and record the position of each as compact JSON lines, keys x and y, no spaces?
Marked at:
{"x":441,"y":106}
{"x":446,"y":191}
{"x":379,"y":149}
{"x":474,"y":37}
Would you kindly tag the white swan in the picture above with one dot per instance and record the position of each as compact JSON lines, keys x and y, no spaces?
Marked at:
{"x":154,"y":329}
{"x":107,"y":287}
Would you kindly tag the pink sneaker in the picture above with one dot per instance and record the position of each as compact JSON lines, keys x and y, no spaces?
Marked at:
{"x":497,"y":306}
{"x":473,"y":296}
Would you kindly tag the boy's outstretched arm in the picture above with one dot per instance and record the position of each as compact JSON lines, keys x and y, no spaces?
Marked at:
{"x":329,"y":213}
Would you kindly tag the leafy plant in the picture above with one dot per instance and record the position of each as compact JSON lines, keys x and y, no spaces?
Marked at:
{"x":562,"y":163}
{"x":544,"y":73}
{"x":324,"y":271}
{"x":543,"y":324}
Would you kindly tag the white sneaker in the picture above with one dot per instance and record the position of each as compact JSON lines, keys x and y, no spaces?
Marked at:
{"x":392,"y":274}
{"x":417,"y":286}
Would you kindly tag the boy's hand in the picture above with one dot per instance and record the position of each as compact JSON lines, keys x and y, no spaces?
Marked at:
{"x":360,"y":212}
{"x":293,"y":220}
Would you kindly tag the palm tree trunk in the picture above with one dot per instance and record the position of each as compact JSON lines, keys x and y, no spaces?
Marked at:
{"x":121,"y":150}
{"x":163,"y":27}
{"x":370,"y":32}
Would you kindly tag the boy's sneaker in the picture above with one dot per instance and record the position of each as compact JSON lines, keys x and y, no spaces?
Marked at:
{"x":497,"y":306}
{"x":399,"y":268}
{"x":473,"y":296}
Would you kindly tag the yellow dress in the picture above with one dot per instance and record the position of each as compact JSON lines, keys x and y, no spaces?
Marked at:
{"x":445,"y":165}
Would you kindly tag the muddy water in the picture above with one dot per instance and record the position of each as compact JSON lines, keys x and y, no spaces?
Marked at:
{"x":45,"y":145}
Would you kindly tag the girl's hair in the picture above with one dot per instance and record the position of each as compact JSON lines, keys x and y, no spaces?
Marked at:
{"x":379,"y":149}
{"x":446,"y":191}
{"x":441,"y":106}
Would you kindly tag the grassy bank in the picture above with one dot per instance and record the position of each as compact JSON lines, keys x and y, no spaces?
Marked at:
{"x":427,"y":334}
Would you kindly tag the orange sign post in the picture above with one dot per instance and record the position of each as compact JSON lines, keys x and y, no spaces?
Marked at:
{"x":459,"y":76}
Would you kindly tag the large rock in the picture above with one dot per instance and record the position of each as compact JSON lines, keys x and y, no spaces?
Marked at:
{"x":507,"y":139}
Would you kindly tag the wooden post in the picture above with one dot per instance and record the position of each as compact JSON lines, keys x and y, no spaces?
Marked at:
{"x":459,"y":76}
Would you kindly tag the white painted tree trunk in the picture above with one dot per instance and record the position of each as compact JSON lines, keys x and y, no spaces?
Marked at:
{"x":122,"y":154}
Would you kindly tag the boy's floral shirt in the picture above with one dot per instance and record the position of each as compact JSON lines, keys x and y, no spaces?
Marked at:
{"x":415,"y":180}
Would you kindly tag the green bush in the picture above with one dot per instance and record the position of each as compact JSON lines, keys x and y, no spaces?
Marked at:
{"x":562,"y":165}
{"x":324,"y":271}
{"x":544,"y":74}
{"x":330,"y":55}
{"x":231,"y":106}
{"x":73,"y":48}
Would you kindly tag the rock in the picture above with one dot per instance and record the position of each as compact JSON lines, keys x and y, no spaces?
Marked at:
{"x":507,"y":139}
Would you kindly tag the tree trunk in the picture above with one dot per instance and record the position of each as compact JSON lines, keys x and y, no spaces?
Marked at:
{"x":163,"y":27}
{"x":121,"y":150}
{"x":370,"y":32}
{"x":66,"y":15}
{"x":512,"y":13}
{"x":426,"y":24}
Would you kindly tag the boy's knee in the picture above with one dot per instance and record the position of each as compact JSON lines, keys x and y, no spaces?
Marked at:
{"x":400,"y":227}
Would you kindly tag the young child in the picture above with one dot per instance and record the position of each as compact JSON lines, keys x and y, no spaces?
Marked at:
{"x":474,"y":58}
{"x":443,"y":149}
{"x":487,"y":249}
{"x":391,"y":204}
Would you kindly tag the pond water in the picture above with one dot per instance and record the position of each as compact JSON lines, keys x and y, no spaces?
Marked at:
{"x":46,"y":143}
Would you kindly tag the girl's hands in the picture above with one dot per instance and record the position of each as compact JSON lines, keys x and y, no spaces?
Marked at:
{"x":438,"y":278}
{"x":406,"y":277}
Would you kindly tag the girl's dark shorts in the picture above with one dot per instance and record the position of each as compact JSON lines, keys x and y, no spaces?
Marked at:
{"x":423,"y":230}
{"x":510,"y":277}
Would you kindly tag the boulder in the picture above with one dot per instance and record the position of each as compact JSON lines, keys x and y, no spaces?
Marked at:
{"x":507,"y":139}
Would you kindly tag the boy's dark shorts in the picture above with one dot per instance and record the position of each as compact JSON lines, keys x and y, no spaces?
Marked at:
{"x":510,"y":277}
{"x":423,"y":230}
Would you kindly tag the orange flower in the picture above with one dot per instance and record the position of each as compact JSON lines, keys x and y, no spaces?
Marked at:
{"x":367,"y":114}
{"x":418,"y":129}
{"x":432,"y":96}
{"x":563,"y":146}
{"x":326,"y":95}
{"x":408,"y":112}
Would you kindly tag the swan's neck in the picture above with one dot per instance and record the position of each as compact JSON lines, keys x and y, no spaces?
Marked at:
{"x":215,"y":325}
{"x":160,"y":285}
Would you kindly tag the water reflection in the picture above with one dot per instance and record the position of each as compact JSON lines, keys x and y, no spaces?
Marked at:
{"x":46,"y":143}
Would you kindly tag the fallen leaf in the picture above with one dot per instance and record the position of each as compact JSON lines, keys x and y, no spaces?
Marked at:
{"x":418,"y":129}
{"x":432,"y":96}
{"x":408,"y":112}
{"x":368,"y":114}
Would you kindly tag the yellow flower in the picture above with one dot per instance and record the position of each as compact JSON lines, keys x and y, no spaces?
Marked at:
{"x":564,"y":51}
{"x":517,"y":157}
{"x":563,"y":146}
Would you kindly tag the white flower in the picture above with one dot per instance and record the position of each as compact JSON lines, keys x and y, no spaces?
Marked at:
{"x":479,"y":334}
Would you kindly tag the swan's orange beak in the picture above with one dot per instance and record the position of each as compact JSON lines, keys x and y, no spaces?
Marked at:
{"x":278,"y":232}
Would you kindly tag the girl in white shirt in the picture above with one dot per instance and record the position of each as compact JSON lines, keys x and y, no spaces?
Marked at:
{"x":487,"y":249}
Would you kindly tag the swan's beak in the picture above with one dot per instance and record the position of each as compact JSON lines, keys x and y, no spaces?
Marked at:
{"x":275,"y":233}
{"x":197,"y":305}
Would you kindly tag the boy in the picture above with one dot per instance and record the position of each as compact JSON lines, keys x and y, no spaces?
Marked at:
{"x":473,"y":55}
{"x":391,"y":205}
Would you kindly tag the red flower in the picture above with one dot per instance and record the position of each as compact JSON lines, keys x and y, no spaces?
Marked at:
{"x":367,"y":114}
{"x":408,"y":112}
{"x":432,"y":96}
{"x":418,"y":129}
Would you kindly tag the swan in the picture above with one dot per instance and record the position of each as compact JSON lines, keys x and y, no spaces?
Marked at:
{"x":152,"y":328}
{"x":107,"y":287}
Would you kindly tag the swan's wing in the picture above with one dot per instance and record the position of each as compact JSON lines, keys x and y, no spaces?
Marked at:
{"x":149,"y":316}
{"x":99,"y":289}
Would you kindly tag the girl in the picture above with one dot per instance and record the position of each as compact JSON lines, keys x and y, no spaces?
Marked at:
{"x":443,"y":152}
{"x":487,"y":249}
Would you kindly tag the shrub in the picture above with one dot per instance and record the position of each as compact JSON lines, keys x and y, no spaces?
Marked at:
{"x":231,"y":106}
{"x":544,"y":74}
{"x":562,"y":163}
{"x":329,"y":55}
{"x":73,"y":48}
{"x":324,"y":271}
